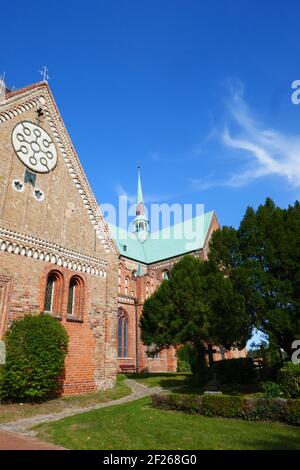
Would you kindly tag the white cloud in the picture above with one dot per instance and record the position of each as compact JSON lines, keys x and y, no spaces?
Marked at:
{"x":270,"y":152}
{"x":260,"y":151}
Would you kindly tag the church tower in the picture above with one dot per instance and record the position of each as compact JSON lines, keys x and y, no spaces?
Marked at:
{"x":141,"y":224}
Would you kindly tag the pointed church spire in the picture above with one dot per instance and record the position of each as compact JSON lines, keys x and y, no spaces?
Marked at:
{"x":140,"y":199}
{"x":140,"y":222}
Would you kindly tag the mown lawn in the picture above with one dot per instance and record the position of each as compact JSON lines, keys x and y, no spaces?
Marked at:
{"x":164,"y":380}
{"x":137,"y":425}
{"x":14,"y":411}
{"x":186,"y":383}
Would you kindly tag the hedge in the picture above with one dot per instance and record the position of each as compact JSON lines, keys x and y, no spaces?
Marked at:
{"x":36,"y":346}
{"x":288,"y":379}
{"x":256,"y":408}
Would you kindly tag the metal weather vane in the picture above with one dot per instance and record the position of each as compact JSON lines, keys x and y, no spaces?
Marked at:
{"x":45,"y":74}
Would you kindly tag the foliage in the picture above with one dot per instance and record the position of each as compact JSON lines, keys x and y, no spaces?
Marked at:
{"x":195,"y":306}
{"x":183,"y":359}
{"x":271,"y":389}
{"x":262,"y":260}
{"x":226,"y":406}
{"x":289,"y":380}
{"x":239,"y":371}
{"x":36,"y":346}
{"x":268,"y":352}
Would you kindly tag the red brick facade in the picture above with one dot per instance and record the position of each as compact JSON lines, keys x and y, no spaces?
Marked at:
{"x":57,"y":254}
{"x":133,"y":291}
{"x":62,"y":235}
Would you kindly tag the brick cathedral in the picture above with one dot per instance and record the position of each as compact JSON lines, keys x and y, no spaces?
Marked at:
{"x":94,"y":280}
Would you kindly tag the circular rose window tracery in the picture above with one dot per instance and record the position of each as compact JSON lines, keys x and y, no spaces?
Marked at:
{"x":34,"y":147}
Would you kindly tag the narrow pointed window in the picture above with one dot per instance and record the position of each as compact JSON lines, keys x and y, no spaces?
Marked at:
{"x":75,"y":298}
{"x":49,"y":296}
{"x":53,"y":293}
{"x":122,"y":333}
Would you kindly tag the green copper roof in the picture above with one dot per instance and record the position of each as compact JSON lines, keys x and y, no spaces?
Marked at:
{"x":167,"y":243}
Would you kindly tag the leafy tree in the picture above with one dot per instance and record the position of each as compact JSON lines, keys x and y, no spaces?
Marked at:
{"x":194,"y":306}
{"x":36,"y":346}
{"x":262,"y":261}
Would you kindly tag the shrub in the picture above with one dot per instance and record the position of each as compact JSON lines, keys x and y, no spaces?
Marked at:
{"x":272,"y":389}
{"x":226,"y":406}
{"x":289,"y":380}
{"x":36,"y":346}
{"x":293,"y":412}
{"x":235,"y":370}
{"x":183,"y":364}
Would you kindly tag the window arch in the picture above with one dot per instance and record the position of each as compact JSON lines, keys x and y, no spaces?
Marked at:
{"x":119,"y":278}
{"x":122,"y":333}
{"x":53,"y":292}
{"x":126,"y":285}
{"x":152,"y":283}
{"x":75,"y":297}
{"x":165,"y":275}
{"x":147,"y":289}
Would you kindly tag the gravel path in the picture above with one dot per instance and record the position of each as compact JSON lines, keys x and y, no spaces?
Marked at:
{"x":23,"y":426}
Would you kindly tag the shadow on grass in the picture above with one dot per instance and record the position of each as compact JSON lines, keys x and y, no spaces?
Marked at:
{"x":275,"y":441}
{"x":174,"y":382}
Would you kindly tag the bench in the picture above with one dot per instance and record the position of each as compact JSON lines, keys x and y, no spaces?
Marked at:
{"x":125,"y":368}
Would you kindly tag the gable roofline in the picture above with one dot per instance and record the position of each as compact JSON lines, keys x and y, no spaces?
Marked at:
{"x":156,"y":249}
{"x":209,"y":230}
{"x":9,"y":108}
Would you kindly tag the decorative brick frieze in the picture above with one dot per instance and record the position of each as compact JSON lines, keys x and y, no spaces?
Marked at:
{"x":43,"y":250}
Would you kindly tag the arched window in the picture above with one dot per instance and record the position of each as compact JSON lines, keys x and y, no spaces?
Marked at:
{"x":165,"y":275}
{"x":134,"y":274}
{"x":122,"y":333}
{"x":152,"y":284}
{"x":120,"y":278}
{"x":53,"y":292}
{"x":152,"y":352}
{"x":126,"y":285}
{"x":75,"y":297}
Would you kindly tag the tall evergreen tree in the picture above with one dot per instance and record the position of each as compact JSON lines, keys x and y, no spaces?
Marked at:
{"x":196,"y":305}
{"x":262,"y":260}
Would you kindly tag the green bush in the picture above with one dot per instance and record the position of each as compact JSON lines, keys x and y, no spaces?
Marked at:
{"x":239,"y":371}
{"x":226,"y":406}
{"x":222,"y":405}
{"x":293,"y":412}
{"x":36,"y":346}
{"x":183,"y":359}
{"x":272,"y":389}
{"x":289,"y":380}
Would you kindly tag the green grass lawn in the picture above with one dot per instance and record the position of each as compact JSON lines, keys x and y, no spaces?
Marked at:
{"x":185,"y":383}
{"x":137,"y":425}
{"x":14,"y":411}
{"x":164,"y":380}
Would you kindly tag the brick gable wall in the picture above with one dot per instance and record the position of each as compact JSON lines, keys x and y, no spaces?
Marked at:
{"x":58,"y":233}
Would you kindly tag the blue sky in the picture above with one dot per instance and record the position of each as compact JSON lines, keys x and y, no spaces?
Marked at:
{"x":199,"y":92}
